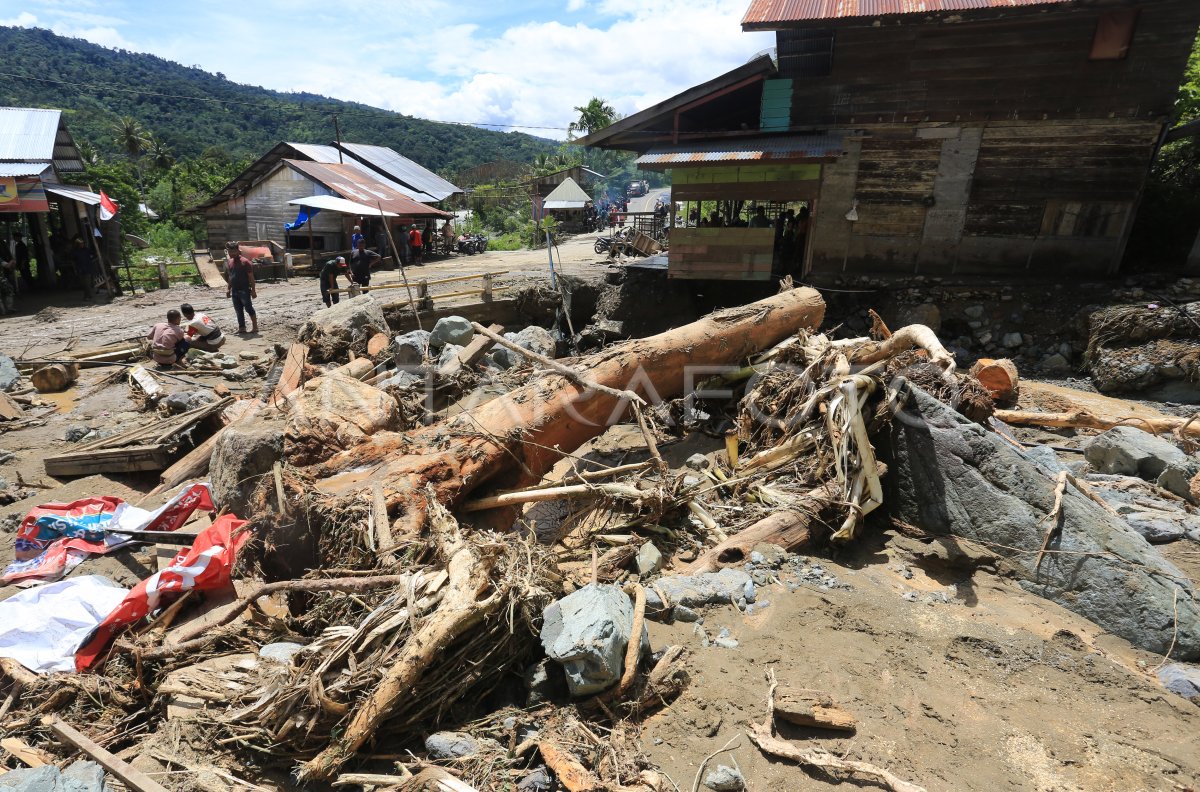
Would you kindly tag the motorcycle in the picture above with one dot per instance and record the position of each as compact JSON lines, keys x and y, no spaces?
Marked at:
{"x":466,"y":245}
{"x":481,"y":243}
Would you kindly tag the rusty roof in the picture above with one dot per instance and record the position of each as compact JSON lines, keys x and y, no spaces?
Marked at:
{"x":792,"y":148}
{"x":348,"y":182}
{"x":768,"y":14}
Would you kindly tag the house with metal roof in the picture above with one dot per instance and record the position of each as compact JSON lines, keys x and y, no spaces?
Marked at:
{"x":942,"y":137}
{"x":36,"y":152}
{"x":227,"y":218}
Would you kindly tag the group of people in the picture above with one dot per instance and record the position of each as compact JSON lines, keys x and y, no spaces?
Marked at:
{"x":16,"y":271}
{"x":185,"y":328}
{"x":363,"y":260}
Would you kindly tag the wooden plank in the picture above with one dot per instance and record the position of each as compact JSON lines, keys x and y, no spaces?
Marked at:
{"x":208,"y":269}
{"x":131,"y":777}
{"x":128,"y":459}
{"x":473,"y":351}
{"x":34,"y":757}
{"x":9,"y":409}
{"x":293,"y":369}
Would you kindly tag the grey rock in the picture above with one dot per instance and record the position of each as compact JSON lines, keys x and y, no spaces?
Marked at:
{"x":954,"y":477}
{"x":693,"y":591}
{"x":1056,"y":364}
{"x":537,"y":340}
{"x":75,"y":433}
{"x":409,"y":349}
{"x":698,"y":462}
{"x":83,"y":776}
{"x":500,"y":358}
{"x":451,"y":330}
{"x":240,"y":374}
{"x":280,"y":651}
{"x":545,"y":681}
{"x":331,"y":332}
{"x":188,"y":400}
{"x":401,"y":379}
{"x":245,"y":451}
{"x":587,"y":632}
{"x":1012,"y":340}
{"x":649,"y":559}
{"x":537,"y":781}
{"x":1177,"y":479}
{"x":725,"y":779}
{"x":1181,"y":678}
{"x":974,"y":311}
{"x":46,"y":778}
{"x":449,"y":353}
{"x":926,"y":314}
{"x":1045,"y":458}
{"x":773,"y":555}
{"x":8,"y":373}
{"x":685,"y":614}
{"x":451,"y":745}
{"x":1129,"y":451}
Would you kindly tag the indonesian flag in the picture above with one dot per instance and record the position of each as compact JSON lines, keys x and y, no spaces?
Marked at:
{"x":207,"y":564}
{"x":108,"y":207}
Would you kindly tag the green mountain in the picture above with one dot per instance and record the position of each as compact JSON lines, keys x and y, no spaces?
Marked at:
{"x":103,"y":82}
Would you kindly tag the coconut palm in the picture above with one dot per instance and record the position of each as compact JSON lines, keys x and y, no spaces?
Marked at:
{"x":593,"y":116}
{"x":133,"y":139}
{"x":160,"y":153}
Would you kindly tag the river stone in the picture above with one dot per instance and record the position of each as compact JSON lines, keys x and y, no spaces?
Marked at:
{"x":649,"y":559}
{"x":451,"y":330}
{"x":331,"y":333}
{"x":1128,"y":451}
{"x":537,"y":340}
{"x":409,"y":349}
{"x":1181,"y":678}
{"x":587,"y":632}
{"x":8,"y":373}
{"x":725,"y":779}
{"x":451,"y":745}
{"x":244,"y":452}
{"x":951,"y":476}
{"x":693,"y":591}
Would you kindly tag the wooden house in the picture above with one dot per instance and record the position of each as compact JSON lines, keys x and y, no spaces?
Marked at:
{"x":945,"y":137}
{"x":540,"y":187}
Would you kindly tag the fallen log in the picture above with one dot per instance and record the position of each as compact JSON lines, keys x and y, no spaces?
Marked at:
{"x":1000,"y":377}
{"x":532,"y":427}
{"x":812,"y":708}
{"x":1082,"y":419}
{"x":906,"y":338}
{"x":55,"y":377}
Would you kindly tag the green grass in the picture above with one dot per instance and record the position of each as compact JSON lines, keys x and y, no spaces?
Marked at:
{"x":513,"y":240}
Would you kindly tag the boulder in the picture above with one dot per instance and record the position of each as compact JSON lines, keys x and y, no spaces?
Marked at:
{"x":402,"y":379}
{"x":332,"y":332}
{"x":1181,"y":678}
{"x":1045,"y":458}
{"x":409,"y":349}
{"x":449,"y":353}
{"x":649,"y":559}
{"x":587,"y":632}
{"x":452,"y":330}
{"x":537,"y":340}
{"x":8,"y":373}
{"x":451,"y":745}
{"x":1128,"y":451}
{"x":927,"y":314}
{"x":725,"y":779}
{"x":332,"y":413}
{"x":953,"y":477}
{"x":1157,"y":526}
{"x":244,"y":452}
{"x":82,"y":776}
{"x":546,"y":682}
{"x":1056,"y":365}
{"x":185,"y":401}
{"x":707,"y":588}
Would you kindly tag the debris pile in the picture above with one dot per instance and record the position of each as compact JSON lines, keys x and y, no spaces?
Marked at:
{"x":408,"y":571}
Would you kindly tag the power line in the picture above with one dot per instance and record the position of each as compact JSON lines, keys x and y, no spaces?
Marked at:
{"x":298,"y":105}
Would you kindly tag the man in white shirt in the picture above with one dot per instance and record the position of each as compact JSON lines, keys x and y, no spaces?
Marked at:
{"x":202,"y":331}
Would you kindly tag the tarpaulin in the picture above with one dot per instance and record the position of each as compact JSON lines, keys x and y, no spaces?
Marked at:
{"x":303,"y":216}
{"x":43,"y":627}
{"x":207,"y":564}
{"x":55,"y":537}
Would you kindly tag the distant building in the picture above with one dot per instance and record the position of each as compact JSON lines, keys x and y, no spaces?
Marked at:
{"x":255,"y":205}
{"x":540,"y":187}
{"x":989,"y":137}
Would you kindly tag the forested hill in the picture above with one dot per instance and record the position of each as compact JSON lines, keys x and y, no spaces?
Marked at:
{"x":189,"y":126}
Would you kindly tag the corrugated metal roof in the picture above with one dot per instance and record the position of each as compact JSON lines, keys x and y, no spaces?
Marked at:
{"x":27,"y":133}
{"x":402,"y":170}
{"x":74,"y":193}
{"x":568,"y":190}
{"x":352,"y":184}
{"x":757,"y":150}
{"x":23,"y":168}
{"x":762,"y":14}
{"x":316,"y":152}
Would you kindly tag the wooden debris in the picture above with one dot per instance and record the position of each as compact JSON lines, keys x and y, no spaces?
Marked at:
{"x":812,"y":708}
{"x":567,"y":769}
{"x":1000,"y":377}
{"x":377,"y":343}
{"x":54,"y":377}
{"x":538,"y":494}
{"x":9,"y":409}
{"x":1082,"y":419}
{"x":910,"y":337}
{"x":381,"y":526}
{"x":472,"y":352}
{"x":1053,"y":518}
{"x":131,"y":777}
{"x":145,"y":382}
{"x":823,"y":760}
{"x":33,"y":757}
{"x":293,"y":370}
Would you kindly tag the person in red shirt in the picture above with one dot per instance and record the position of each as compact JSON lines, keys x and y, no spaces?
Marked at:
{"x":240,"y":272}
{"x":415,"y":243}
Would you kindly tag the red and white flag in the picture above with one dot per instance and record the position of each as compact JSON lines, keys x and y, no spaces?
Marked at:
{"x":108,"y":207}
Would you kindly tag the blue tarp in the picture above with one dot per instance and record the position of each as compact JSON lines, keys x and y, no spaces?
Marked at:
{"x":303,"y":217}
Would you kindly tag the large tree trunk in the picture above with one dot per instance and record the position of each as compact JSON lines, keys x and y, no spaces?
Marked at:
{"x":514,"y":440}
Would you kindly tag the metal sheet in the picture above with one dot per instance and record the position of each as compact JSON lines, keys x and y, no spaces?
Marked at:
{"x":28,"y":133}
{"x":764,"y":13}
{"x":334,"y":204}
{"x":316,"y":153}
{"x":23,"y":168}
{"x":352,"y":184}
{"x":568,"y":191}
{"x":402,"y":170}
{"x":565,"y":204}
{"x":758,"y":150}
{"x":75,"y":194}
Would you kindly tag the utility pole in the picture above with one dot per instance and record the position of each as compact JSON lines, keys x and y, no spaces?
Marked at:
{"x":337,"y":131}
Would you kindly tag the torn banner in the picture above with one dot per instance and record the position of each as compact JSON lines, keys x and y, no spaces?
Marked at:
{"x":207,"y":564}
{"x":55,"y":537}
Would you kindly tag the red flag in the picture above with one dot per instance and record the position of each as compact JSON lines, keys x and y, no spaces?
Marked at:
{"x":207,"y":564}
{"x":108,"y":207}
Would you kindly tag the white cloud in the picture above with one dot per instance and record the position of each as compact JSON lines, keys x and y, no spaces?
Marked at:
{"x":576,"y":5}
{"x":23,"y":19}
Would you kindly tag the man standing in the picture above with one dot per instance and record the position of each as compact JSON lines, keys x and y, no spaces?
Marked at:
{"x":21,"y":256}
{"x":167,"y":342}
{"x":85,"y":268}
{"x":760,"y":219}
{"x":361,"y":262}
{"x":356,"y":238}
{"x":329,"y":276}
{"x":240,"y":272}
{"x":202,"y":331}
{"x":415,"y":244}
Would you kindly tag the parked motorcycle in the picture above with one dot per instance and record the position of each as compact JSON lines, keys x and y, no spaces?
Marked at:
{"x":466,"y":245}
{"x":481,"y":243}
{"x":603,"y":244}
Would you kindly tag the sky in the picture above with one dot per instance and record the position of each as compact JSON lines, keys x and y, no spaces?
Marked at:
{"x":524,"y":64}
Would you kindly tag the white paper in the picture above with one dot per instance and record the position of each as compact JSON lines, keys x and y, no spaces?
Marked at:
{"x":41,"y":628}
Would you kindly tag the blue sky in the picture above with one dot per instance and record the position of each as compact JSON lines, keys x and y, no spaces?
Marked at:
{"x":507,"y":63}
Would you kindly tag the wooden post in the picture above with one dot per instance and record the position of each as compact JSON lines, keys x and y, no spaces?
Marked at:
{"x":487,"y":287}
{"x":164,"y":282}
{"x":424,"y":300}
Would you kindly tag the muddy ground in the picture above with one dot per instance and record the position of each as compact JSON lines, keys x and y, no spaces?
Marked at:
{"x":960,"y":679}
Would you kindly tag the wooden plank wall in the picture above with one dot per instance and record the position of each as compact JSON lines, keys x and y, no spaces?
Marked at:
{"x":1020,"y":66}
{"x":267,"y":209}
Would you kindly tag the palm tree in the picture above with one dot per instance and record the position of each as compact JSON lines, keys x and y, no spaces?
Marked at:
{"x":88,"y":153}
{"x":595,"y":115}
{"x":131,"y":137}
{"x":160,"y":153}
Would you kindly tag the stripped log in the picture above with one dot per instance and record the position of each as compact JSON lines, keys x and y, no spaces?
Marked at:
{"x":1000,"y":377}
{"x":1082,"y":419}
{"x":812,"y":708}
